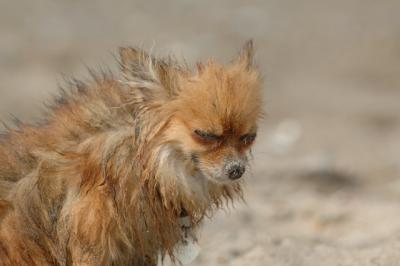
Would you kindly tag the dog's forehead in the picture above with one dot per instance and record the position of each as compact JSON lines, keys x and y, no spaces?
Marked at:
{"x":229,"y":125}
{"x":223,"y":101}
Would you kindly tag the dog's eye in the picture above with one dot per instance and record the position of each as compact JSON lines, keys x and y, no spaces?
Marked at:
{"x":207,"y":136}
{"x":248,"y":138}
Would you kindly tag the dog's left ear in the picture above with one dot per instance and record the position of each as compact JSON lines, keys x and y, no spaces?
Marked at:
{"x":246,"y":55}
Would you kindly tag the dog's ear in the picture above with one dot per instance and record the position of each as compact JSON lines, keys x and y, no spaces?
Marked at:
{"x":246,"y":55}
{"x":148,"y":74}
{"x":138,"y":67}
{"x":128,"y":55}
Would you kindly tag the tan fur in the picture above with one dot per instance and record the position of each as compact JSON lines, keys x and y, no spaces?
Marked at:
{"x":105,"y":180}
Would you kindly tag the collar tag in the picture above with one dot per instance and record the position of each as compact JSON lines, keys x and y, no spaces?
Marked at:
{"x":185,"y":221}
{"x":187,"y":251}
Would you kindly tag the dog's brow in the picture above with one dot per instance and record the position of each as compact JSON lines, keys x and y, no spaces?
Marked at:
{"x":207,"y":135}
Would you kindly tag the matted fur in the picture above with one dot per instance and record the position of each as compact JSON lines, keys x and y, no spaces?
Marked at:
{"x":105,"y":180}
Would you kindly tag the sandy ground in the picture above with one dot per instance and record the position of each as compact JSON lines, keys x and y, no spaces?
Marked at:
{"x":324,"y":188}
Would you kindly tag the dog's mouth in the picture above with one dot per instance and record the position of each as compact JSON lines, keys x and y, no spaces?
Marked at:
{"x":230,"y":171}
{"x":220,"y":176}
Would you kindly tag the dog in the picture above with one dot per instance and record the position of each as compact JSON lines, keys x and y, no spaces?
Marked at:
{"x":126,"y":166}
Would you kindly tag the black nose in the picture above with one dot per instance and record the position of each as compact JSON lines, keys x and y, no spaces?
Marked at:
{"x":236,"y":171}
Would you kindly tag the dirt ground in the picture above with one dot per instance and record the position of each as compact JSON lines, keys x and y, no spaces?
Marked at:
{"x":324,"y":187}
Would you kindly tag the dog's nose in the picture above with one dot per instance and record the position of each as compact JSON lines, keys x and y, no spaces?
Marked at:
{"x":236,"y":171}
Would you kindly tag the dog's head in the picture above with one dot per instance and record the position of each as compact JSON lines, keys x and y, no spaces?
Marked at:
{"x":216,"y":117}
{"x":213,"y":112}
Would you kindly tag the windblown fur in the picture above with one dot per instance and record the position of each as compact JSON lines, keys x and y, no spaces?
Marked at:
{"x":104,"y":180}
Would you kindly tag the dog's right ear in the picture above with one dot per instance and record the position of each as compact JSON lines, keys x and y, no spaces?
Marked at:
{"x":148,"y":74}
{"x":138,"y":67}
{"x":127,"y":55}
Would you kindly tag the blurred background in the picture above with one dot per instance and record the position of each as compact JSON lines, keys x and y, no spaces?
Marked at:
{"x":324,"y":188}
